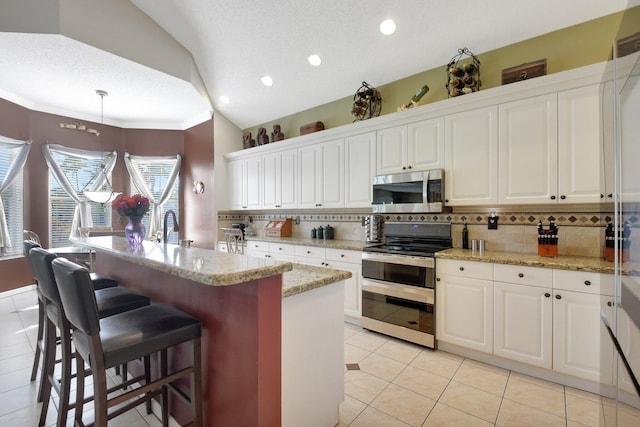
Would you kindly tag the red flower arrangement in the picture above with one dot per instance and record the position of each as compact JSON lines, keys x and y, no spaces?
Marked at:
{"x":136,"y":205}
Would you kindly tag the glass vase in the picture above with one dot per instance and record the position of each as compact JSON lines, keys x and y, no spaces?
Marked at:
{"x":135,"y":230}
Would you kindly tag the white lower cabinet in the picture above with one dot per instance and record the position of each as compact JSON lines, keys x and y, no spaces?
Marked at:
{"x":464,"y":304}
{"x":523,"y":323}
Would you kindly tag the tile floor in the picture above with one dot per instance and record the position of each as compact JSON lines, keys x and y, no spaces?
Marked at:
{"x":397,"y":384}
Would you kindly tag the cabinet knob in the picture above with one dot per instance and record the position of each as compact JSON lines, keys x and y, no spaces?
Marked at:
{"x":521,"y":275}
{"x":341,"y":255}
{"x":437,"y":279}
{"x":602,"y":196}
{"x":609,"y":303}
{"x":547,"y":294}
{"x":553,"y":197}
{"x":563,"y":197}
{"x":404,"y":168}
{"x":558,"y":296}
{"x":308,"y":252}
{"x":461,"y":268}
{"x":408,"y":167}
{"x":446,"y":200}
{"x":610,"y":195}
{"x":279,"y":249}
{"x":267,"y":256}
{"x":587,"y":283}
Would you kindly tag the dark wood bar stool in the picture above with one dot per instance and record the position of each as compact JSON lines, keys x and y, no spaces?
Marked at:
{"x":99,"y":282}
{"x":109,"y":301}
{"x":107,"y":342}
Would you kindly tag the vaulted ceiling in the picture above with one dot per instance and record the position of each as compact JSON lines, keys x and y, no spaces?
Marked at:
{"x":232,"y":44}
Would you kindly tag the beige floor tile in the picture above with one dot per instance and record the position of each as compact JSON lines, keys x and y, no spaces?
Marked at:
{"x":350,"y":330}
{"x":381,"y":367}
{"x":437,"y":363}
{"x":583,"y":394}
{"x":404,"y":404}
{"x":398,"y":350}
{"x":422,"y":382}
{"x":481,"y":378}
{"x":353,"y":354}
{"x":628,"y":416}
{"x":363,"y":386}
{"x":445,"y":416}
{"x":350,"y":408}
{"x":514,"y":414}
{"x":486,"y":367}
{"x":471,"y":400}
{"x":367,"y":340}
{"x":537,"y":381}
{"x":587,"y":411}
{"x":371,"y":417}
{"x":536,"y":395}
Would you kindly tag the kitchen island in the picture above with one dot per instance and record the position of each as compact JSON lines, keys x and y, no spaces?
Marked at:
{"x":240,"y":302}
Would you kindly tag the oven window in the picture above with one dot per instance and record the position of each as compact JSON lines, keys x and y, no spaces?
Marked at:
{"x":397,"y":193}
{"x":398,"y":273}
{"x":397,"y":311}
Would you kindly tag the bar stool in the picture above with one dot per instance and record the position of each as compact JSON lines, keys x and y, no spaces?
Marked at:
{"x":109,"y":301}
{"x":103,"y":343}
{"x":99,"y":282}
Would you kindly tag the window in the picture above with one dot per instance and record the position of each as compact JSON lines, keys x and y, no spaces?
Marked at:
{"x":156,"y":174}
{"x":78,"y":171}
{"x":12,"y":197}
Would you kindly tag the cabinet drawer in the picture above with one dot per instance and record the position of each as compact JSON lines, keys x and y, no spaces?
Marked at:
{"x":257,"y":246}
{"x":533,"y":276}
{"x":583,"y":281}
{"x":281,"y":249}
{"x":471,"y":269}
{"x":354,"y":257}
{"x":309,"y":251}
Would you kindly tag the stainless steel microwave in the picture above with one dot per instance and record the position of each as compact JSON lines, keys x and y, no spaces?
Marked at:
{"x":409,"y":192}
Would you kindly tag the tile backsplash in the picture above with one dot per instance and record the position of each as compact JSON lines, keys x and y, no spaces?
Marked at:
{"x":580,"y":233}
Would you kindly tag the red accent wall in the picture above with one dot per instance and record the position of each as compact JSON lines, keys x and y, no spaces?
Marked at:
{"x":42,"y":128}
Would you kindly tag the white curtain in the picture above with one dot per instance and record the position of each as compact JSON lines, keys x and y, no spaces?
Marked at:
{"x":82,"y":215}
{"x":135,"y":166}
{"x":20,"y":152}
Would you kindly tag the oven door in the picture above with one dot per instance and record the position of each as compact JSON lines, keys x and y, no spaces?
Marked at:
{"x":407,"y":270}
{"x":404,"y":312}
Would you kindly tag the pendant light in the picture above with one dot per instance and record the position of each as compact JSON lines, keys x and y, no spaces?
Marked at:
{"x":106,"y":194}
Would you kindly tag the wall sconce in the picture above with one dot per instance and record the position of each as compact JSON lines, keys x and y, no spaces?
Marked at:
{"x":198,"y":187}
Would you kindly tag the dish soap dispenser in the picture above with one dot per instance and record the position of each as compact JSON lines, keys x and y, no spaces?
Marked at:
{"x":465,"y":236}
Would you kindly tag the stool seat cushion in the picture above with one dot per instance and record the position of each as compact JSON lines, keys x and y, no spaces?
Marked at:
{"x":136,"y":333}
{"x":100,"y":282}
{"x":115,"y":300}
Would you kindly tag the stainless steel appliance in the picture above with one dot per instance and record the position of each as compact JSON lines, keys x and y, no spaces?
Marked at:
{"x":398,"y":281}
{"x":373,"y":228}
{"x":409,"y":192}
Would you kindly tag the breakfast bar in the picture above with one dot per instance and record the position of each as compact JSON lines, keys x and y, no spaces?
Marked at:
{"x":250,"y":309}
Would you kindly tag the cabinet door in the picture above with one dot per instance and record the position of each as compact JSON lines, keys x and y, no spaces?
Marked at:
{"x":332,"y":174}
{"x":471,"y":157}
{"x":288,"y":179}
{"x":580,"y":146}
{"x":279,"y":173}
{"x":523,"y":323}
{"x":629,"y":137}
{"x":270,"y":171}
{"x":309,"y":161}
{"x":392,"y":150}
{"x":464,"y":312}
{"x":425,"y":144}
{"x":352,"y":287}
{"x":360,"y":168}
{"x":581,"y":345}
{"x":252,"y":185}
{"x":235,"y":171}
{"x":528,"y":147}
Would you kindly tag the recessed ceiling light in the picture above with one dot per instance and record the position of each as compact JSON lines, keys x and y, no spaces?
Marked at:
{"x":267,"y":81}
{"x":388,"y":27}
{"x":314,"y":60}
{"x":224,"y":99}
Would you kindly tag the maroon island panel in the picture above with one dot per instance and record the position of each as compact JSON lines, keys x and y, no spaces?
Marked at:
{"x":241,"y":347}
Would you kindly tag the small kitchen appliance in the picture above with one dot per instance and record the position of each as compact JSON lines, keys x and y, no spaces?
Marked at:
{"x":409,"y":192}
{"x":373,"y":228}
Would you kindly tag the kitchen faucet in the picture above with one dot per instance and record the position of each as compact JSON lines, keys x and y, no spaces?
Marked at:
{"x":165,"y":231}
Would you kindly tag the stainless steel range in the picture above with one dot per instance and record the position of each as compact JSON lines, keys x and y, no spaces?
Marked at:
{"x":398,"y":281}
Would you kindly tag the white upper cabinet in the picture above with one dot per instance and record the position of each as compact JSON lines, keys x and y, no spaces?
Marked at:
{"x":321,"y":175}
{"x":244,"y":179}
{"x":528,"y":150}
{"x":360,"y":168}
{"x":581,"y":174}
{"x":415,"y":147}
{"x":471,"y":158}
{"x":279,"y":179}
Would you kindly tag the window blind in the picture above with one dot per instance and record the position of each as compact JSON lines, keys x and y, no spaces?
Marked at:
{"x":13,"y":204}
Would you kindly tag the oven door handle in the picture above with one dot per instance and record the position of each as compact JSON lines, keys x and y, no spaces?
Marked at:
{"x":421,"y":295}
{"x":427,"y":262}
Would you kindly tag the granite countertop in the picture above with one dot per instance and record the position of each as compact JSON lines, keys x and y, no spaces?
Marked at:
{"x":563,"y":262}
{"x":205,"y":266}
{"x":351,"y":245}
{"x":304,"y":278}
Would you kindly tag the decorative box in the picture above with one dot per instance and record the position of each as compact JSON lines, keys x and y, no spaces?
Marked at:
{"x":278,"y":228}
{"x":311,"y":127}
{"x":524,"y":71}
